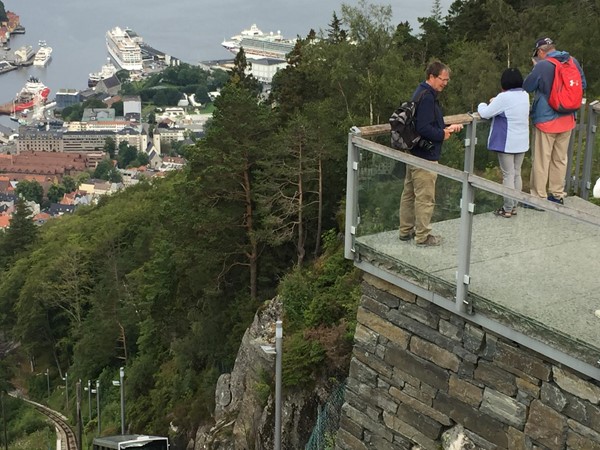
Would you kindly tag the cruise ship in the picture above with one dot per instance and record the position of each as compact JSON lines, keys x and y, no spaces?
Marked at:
{"x":43,"y":55}
{"x":257,"y":44}
{"x":124,"y":47}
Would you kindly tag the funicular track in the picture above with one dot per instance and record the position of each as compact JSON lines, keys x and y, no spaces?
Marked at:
{"x":66,"y":434}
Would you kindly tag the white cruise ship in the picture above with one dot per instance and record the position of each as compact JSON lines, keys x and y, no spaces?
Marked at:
{"x":43,"y":55}
{"x":257,"y":44}
{"x":124,"y":48}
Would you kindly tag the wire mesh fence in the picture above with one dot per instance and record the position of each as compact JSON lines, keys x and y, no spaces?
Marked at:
{"x":328,"y":421}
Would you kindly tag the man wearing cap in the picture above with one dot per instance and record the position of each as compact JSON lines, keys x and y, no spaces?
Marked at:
{"x":552,"y":129}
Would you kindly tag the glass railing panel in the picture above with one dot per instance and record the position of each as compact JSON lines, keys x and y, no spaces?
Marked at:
{"x":381,"y":184}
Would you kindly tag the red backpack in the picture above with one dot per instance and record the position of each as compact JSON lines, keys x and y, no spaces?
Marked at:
{"x":567,"y":89}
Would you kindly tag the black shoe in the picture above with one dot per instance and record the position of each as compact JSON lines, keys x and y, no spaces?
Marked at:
{"x":554,"y":199}
{"x":407,"y":237}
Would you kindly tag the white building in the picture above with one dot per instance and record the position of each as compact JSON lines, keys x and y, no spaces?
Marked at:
{"x":264,"y":69}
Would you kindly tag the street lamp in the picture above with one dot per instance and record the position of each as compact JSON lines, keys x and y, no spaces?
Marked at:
{"x":48,"y":383}
{"x":122,"y":385}
{"x":278,"y":352}
{"x":66,"y":380}
{"x":98,"y":405}
{"x":90,"y":391}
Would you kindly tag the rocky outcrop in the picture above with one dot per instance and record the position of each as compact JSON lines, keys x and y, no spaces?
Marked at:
{"x":244,"y":413}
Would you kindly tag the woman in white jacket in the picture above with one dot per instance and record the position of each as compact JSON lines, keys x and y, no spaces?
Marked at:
{"x":509,"y":133}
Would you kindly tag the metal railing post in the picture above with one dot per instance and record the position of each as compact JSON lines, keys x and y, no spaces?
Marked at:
{"x":467,"y":208}
{"x":351,"y":195}
{"x":590,"y":141}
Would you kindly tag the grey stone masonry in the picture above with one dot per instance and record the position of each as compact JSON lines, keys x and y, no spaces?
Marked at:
{"x":419,"y":373}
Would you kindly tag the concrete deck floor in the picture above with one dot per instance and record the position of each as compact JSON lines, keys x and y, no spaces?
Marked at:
{"x":538,"y":272}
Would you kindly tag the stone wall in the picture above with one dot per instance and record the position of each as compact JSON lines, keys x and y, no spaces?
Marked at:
{"x":420,"y":373}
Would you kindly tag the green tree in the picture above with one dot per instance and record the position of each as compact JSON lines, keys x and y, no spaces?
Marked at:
{"x":105,"y":170}
{"x":224,"y":165}
{"x":69,"y":183}
{"x":30,"y":190}
{"x":55,"y":193}
{"x":21,"y":234}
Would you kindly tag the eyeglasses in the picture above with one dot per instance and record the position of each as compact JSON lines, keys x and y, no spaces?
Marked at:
{"x":445,"y":80}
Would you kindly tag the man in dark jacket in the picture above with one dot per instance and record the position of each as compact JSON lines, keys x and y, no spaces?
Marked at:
{"x":552,"y":129}
{"x":418,"y":197}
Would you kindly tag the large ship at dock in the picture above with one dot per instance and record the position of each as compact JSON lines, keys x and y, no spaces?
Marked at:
{"x":257,"y":44}
{"x":124,"y":48}
{"x":43,"y":55}
{"x":33,"y":94}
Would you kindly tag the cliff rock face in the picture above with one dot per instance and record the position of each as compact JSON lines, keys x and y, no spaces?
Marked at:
{"x":244,"y":413}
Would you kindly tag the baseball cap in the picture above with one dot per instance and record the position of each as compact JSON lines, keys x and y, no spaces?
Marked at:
{"x":541,"y":42}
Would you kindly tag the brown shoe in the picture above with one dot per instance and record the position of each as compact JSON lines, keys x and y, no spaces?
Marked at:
{"x":431,"y":241}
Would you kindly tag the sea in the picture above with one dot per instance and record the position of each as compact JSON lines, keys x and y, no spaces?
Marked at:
{"x":190,"y":30}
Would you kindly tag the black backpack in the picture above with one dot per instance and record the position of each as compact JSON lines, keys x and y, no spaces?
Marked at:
{"x":402,"y":123}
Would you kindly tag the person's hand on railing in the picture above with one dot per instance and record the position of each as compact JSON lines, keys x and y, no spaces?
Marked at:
{"x":454,"y":128}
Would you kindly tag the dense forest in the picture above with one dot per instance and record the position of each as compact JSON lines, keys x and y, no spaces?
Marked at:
{"x":164,"y":277}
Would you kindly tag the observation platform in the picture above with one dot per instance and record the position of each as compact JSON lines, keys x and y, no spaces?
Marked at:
{"x":533,"y":278}
{"x":536,"y":272}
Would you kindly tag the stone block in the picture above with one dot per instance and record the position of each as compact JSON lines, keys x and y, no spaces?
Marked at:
{"x":420,"y":407}
{"x":417,"y":394}
{"x":372,"y":361}
{"x":365,"y":338}
{"x":553,"y":397}
{"x":584,"y":431}
{"x":397,"y":293}
{"x":410,"y":433}
{"x":472,"y":419}
{"x":425,"y":424}
{"x":522,"y":362}
{"x":546,"y":426}
{"x":465,"y":355}
{"x":517,"y":440}
{"x":465,"y":391}
{"x":466,"y":370}
{"x":583,"y":412}
{"x":383,"y":327}
{"x":373,"y":305}
{"x":577,"y":442}
{"x":420,"y":314}
{"x":496,"y":378}
{"x":433,"y":353}
{"x":574,"y":384}
{"x":346,"y":441}
{"x":378,"y":443}
{"x":372,"y":424}
{"x":378,"y":398}
{"x":401,"y":376}
{"x":417,"y":367}
{"x":473,"y":338}
{"x":530,"y":389}
{"x":504,"y":408}
{"x":490,"y":347}
{"x":415,"y":327}
{"x":450,"y":330}
{"x":351,"y":427}
{"x":362,"y":373}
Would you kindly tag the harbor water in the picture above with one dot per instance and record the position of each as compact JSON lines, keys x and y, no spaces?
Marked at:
{"x":189,"y":30}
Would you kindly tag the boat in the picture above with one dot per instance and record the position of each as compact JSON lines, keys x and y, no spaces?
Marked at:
{"x":43,"y":55}
{"x":124,"y":47}
{"x":24,"y":54}
{"x":107,"y":71}
{"x":5,"y":66}
{"x":257,"y":44}
{"x":33,"y":94}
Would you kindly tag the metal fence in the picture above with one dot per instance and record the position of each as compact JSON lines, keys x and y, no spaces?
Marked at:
{"x":328,"y":420}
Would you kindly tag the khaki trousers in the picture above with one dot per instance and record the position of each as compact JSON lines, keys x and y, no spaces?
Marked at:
{"x":417,"y":203}
{"x":549,"y":167}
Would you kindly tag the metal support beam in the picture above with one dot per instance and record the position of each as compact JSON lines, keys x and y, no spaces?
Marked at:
{"x":351,"y":194}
